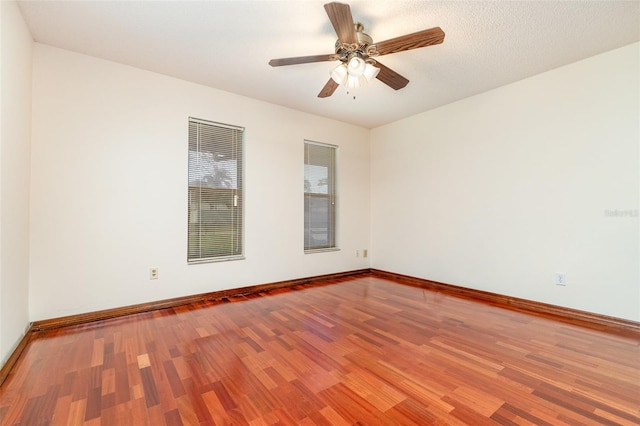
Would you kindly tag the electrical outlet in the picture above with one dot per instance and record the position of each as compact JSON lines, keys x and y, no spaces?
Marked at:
{"x":153,"y":273}
{"x":357,"y":253}
{"x":365,"y":253}
{"x":560,"y":278}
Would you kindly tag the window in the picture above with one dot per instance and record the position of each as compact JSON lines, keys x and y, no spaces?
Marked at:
{"x":215,"y":219}
{"x":319,"y":196}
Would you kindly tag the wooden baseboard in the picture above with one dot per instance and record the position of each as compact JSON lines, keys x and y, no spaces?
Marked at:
{"x":50,"y":324}
{"x":13,"y":358}
{"x":78,"y":319}
{"x":574,"y":316}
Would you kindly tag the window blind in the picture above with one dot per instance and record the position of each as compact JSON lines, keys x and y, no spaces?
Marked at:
{"x":215,"y":213}
{"x":319,"y":196}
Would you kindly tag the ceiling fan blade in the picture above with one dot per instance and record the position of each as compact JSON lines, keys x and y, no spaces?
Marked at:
{"x":390,"y":77}
{"x":302,"y":60}
{"x":342,"y":21}
{"x":328,"y":89}
{"x":411,"y":41}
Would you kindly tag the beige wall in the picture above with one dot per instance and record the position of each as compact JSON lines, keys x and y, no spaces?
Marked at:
{"x":500,"y":191}
{"x":15,"y":125}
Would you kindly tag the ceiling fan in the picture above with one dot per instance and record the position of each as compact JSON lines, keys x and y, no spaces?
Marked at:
{"x":356,"y":52}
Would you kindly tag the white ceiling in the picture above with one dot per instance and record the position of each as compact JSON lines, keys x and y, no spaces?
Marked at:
{"x":228,"y":44}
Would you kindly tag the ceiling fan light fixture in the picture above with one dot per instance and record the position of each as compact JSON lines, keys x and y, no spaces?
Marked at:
{"x":354,"y":76}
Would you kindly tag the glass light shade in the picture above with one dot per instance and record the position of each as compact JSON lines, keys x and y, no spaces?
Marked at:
{"x":353,"y":82}
{"x":339,"y":74}
{"x":356,"y":66}
{"x":370,"y":72}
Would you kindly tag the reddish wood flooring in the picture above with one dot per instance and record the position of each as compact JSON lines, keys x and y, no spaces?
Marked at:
{"x":359,"y":351}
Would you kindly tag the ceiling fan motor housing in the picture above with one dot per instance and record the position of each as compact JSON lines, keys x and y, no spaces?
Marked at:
{"x":363,"y":49}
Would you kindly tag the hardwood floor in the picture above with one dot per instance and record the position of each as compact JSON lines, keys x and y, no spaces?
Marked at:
{"x":361,"y":350}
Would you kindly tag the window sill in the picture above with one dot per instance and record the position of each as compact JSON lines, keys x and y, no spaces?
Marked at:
{"x":321,"y":250}
{"x":214,"y":259}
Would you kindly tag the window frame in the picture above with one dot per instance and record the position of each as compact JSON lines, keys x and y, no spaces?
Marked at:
{"x":331,"y":197}
{"x":236,"y":194}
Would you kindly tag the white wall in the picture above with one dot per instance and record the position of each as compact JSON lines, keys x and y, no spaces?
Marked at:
{"x":500,"y":191}
{"x":497,"y":192}
{"x":15,"y":129}
{"x":109,"y":187}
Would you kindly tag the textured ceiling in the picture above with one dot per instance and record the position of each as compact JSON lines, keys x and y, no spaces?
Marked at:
{"x":228,"y":44}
